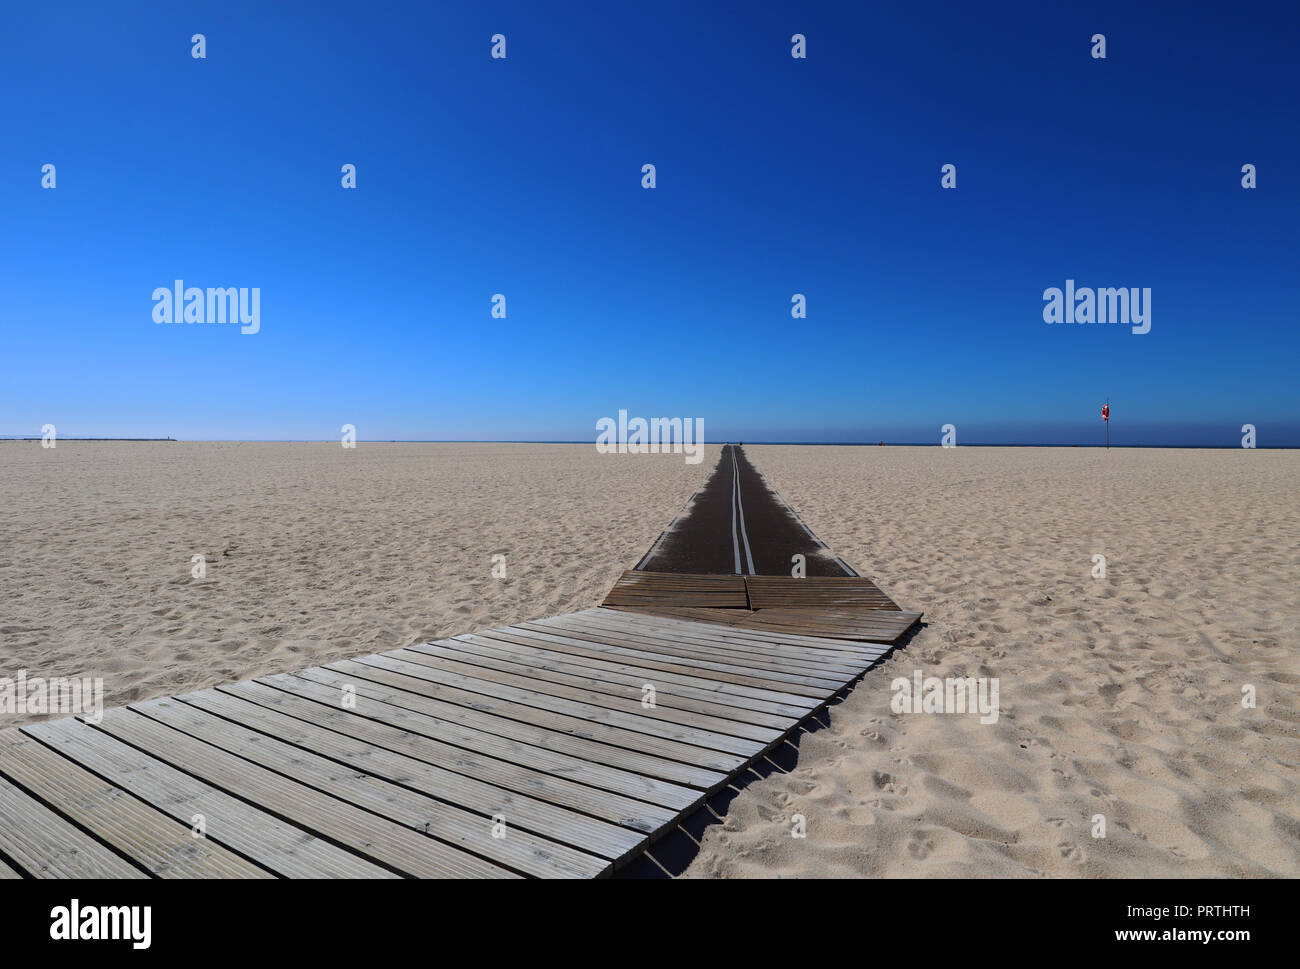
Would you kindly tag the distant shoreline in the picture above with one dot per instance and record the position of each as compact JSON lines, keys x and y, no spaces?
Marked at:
{"x":927,"y":444}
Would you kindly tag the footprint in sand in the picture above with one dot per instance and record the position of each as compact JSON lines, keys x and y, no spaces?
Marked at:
{"x":1062,"y":778}
{"x":766,"y":814}
{"x":920,"y":847}
{"x":885,"y":782}
{"x":802,"y":786}
{"x":1072,"y":852}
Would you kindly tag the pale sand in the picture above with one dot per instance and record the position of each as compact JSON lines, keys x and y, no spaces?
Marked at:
{"x":314,"y":552}
{"x":1119,"y":696}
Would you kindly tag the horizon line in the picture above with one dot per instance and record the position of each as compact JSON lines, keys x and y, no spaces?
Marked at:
{"x":663,"y":449}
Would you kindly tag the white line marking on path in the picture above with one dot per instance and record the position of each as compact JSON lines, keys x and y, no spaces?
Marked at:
{"x":738,"y":510}
{"x":735,"y":542}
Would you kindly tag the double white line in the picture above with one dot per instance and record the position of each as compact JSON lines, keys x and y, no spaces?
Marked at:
{"x":738,"y":515}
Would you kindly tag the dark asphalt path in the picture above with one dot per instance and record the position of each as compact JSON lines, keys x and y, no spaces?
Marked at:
{"x":736,"y":525}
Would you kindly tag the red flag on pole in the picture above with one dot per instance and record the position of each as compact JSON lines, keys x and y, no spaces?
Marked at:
{"x":1105,"y":412}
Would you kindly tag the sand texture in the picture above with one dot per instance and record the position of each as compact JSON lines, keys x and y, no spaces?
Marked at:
{"x":313,"y":552}
{"x":1120,"y":696}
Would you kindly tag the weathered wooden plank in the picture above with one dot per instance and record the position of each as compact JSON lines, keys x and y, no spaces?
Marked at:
{"x":752,"y":632}
{"x":717,"y":617}
{"x":600,"y":707}
{"x":741,"y":635}
{"x":698,"y":715}
{"x":749,"y":653}
{"x":733,"y":639}
{"x":779,"y":591}
{"x":692,"y":743}
{"x":493,"y":760}
{"x":632,"y":578}
{"x":742,"y":628}
{"x":548,"y":647}
{"x":697,"y":658}
{"x":525,"y":811}
{"x":640,"y":588}
{"x":642,"y":773}
{"x":361,"y":832}
{"x":844,"y":608}
{"x":683,"y":749}
{"x":154,"y":841}
{"x":783,"y":624}
{"x":465,"y":830}
{"x":44,"y":845}
{"x":531,"y":634}
{"x":281,"y":847}
{"x":694,"y":627}
{"x":618,"y":675}
{"x":709,"y":713}
{"x":887,"y":627}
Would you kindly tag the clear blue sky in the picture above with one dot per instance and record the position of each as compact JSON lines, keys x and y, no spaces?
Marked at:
{"x":775,"y":176}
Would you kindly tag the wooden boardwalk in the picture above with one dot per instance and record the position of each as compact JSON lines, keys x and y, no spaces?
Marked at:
{"x":839,"y":607}
{"x":556,"y":748}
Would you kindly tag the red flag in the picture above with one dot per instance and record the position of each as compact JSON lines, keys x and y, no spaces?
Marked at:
{"x":1105,"y":412}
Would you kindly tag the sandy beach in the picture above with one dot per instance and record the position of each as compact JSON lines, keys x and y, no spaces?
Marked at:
{"x":1120,"y":696}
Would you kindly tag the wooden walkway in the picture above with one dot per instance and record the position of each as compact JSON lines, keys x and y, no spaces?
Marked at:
{"x":847,"y":607}
{"x":556,"y":748}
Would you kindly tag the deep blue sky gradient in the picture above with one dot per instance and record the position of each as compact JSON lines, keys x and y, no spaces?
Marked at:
{"x":775,"y":176}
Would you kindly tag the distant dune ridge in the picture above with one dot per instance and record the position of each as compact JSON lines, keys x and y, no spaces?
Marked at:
{"x":1119,"y":696}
